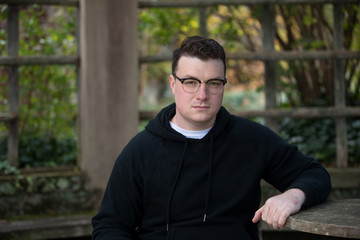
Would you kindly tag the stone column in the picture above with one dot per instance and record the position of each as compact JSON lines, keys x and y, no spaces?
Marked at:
{"x":108,"y":84}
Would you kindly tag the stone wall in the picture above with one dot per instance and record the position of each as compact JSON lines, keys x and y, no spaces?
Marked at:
{"x":45,"y":195}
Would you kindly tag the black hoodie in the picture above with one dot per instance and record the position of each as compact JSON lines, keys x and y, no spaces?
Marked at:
{"x":165,"y":186}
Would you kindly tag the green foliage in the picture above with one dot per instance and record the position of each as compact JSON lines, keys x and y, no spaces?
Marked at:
{"x":237,"y":27}
{"x":43,"y":151}
{"x":353,"y":133}
{"x":48,"y":100}
{"x":9,"y":187}
{"x":310,"y":27}
{"x":47,"y":94}
{"x":167,"y":25}
{"x":317,"y":138}
{"x":243,"y":100}
{"x":313,"y":137}
{"x":48,"y":151}
{"x":47,"y":30}
{"x":7,"y":169}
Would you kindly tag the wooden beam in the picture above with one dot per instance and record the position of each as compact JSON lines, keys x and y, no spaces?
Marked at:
{"x":268,"y":56}
{"x":47,"y":228}
{"x":260,"y":56}
{"x":268,"y":30}
{"x":44,"y":172}
{"x":327,"y":112}
{"x":296,"y":55}
{"x":340,"y":89}
{"x":13,"y":83}
{"x":109,"y":87}
{"x":8,"y":116}
{"x":207,"y":3}
{"x":182,"y":4}
{"x":39,"y":60}
{"x":42,"y":2}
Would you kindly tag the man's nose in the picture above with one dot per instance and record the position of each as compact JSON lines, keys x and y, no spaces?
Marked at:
{"x":202,"y":92}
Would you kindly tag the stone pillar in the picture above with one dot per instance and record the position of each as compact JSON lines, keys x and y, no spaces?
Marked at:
{"x":108,"y":84}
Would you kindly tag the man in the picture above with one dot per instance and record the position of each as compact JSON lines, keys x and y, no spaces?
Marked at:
{"x":195,"y":171}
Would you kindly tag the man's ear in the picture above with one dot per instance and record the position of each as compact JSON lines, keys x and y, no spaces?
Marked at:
{"x":172,"y":83}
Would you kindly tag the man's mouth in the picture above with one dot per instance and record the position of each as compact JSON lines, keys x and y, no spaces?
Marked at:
{"x":201,"y":107}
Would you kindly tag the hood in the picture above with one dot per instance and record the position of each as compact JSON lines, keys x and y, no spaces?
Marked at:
{"x":160,"y":125}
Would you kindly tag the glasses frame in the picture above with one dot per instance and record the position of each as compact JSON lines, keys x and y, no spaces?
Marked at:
{"x":224,"y":81}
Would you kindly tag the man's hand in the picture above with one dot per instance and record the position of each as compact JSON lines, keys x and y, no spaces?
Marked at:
{"x":277,"y":209}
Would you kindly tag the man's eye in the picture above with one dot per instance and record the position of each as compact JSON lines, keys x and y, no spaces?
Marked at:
{"x":191,"y":82}
{"x":214,"y":83}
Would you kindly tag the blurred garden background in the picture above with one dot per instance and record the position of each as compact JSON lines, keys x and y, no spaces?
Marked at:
{"x":48,"y":98}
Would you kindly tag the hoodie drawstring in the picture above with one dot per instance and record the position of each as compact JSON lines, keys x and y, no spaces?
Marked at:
{"x":174,"y":186}
{"x":210,"y":168}
{"x":209,"y":179}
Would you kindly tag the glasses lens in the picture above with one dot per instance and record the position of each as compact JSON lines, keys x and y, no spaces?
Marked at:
{"x":191,"y":85}
{"x":215,"y":86}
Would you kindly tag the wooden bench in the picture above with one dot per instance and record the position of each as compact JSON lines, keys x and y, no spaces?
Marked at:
{"x":49,"y":228}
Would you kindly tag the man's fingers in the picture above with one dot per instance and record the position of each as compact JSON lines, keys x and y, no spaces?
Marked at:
{"x":275,"y":220}
{"x":257,"y":215}
{"x":274,"y":216}
{"x":265,"y":213}
{"x":278,"y":208}
{"x":283,"y":217}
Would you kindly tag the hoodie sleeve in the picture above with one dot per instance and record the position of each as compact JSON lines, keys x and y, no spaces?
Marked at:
{"x":120,"y":211}
{"x":288,"y":168}
{"x":314,"y":181}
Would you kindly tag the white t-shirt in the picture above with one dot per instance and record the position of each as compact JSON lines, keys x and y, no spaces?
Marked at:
{"x":190,"y":134}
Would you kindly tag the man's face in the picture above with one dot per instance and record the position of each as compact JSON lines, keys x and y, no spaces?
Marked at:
{"x":196,"y":111}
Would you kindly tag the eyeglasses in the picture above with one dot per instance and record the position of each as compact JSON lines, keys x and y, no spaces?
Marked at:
{"x":192,"y":85}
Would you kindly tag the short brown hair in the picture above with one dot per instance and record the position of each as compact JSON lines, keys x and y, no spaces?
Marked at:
{"x":199,"y":47}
